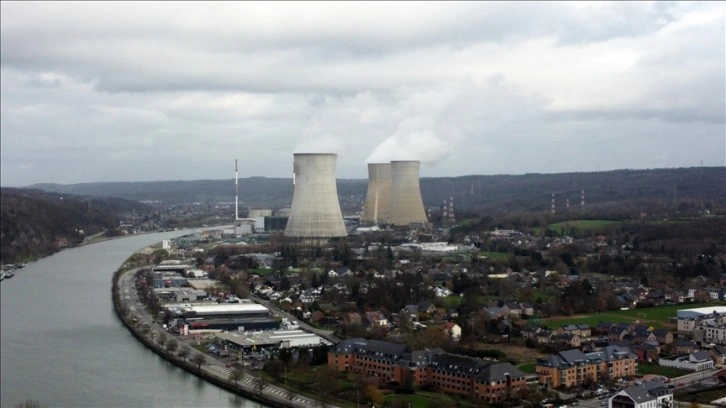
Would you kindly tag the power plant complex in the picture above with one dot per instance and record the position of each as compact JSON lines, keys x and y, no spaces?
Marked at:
{"x":393,"y":197}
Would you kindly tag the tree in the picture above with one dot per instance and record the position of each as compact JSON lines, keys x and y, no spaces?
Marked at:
{"x":374,"y":394}
{"x":162,"y":339}
{"x":184,"y":352}
{"x":199,"y":359}
{"x":259,"y":384}
{"x":172,"y":345}
{"x":30,"y":403}
{"x":236,"y":374}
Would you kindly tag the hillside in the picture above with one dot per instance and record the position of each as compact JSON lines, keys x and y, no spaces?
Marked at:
{"x":36,"y":223}
{"x":494,"y":194}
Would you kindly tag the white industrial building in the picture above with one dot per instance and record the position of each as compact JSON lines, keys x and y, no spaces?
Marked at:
{"x":274,"y":338}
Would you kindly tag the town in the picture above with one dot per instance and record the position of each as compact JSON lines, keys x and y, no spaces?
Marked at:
{"x":437,"y":317}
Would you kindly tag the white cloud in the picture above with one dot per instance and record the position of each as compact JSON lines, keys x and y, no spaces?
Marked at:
{"x":127,"y":91}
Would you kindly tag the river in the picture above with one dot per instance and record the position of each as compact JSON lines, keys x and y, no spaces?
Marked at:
{"x":62,"y":344}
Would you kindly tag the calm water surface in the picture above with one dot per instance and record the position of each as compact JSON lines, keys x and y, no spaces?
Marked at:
{"x":61,"y":343}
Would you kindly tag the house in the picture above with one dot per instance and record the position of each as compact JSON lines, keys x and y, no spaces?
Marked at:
{"x":566,"y":340}
{"x":377,"y":319}
{"x":663,"y":336}
{"x":647,"y":395}
{"x":696,"y":361}
{"x":685,"y":346}
{"x":718,"y":354}
{"x":453,"y":330}
{"x":646,"y":352}
{"x":617,"y":332}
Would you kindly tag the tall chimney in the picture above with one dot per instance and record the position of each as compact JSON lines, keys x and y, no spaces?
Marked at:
{"x":405,"y":206}
{"x":379,"y":192}
{"x":315,"y":210}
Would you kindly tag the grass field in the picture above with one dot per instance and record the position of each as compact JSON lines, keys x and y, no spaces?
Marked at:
{"x":653,"y":316}
{"x":581,"y":226}
{"x":658,"y":370}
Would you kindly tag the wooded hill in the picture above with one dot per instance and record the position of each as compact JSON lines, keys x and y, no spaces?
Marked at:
{"x":493,"y":194}
{"x":37,"y":223}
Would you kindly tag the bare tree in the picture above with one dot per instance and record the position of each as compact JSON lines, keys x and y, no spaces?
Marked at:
{"x":162,"y":339}
{"x":199,"y":359}
{"x":184,"y":352}
{"x":259,"y":384}
{"x":235,"y":375}
{"x":30,"y":403}
{"x":172,"y":345}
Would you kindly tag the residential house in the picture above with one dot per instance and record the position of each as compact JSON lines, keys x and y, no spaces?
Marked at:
{"x":663,"y":336}
{"x":718,"y":354}
{"x":453,"y":330}
{"x":696,"y":361}
{"x":646,"y":352}
{"x":653,"y":394}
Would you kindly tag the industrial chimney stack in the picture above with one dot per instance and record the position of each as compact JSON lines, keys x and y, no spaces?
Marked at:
{"x":405,"y":205}
{"x":315,"y":210}
{"x":375,"y":209}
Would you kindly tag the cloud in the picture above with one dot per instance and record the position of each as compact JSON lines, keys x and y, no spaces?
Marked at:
{"x":127,"y":91}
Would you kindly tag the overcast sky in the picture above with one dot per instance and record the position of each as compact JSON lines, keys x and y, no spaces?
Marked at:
{"x":177,"y":91}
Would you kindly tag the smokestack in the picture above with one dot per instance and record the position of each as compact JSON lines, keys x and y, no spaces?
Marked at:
{"x":405,"y":206}
{"x":315,"y":210}
{"x":236,"y":192}
{"x":379,"y":192}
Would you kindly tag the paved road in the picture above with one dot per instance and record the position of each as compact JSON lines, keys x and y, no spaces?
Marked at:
{"x":213,"y":366}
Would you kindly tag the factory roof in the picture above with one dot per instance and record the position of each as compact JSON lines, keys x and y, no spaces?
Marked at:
{"x":226,"y":308}
{"x":292,"y":338}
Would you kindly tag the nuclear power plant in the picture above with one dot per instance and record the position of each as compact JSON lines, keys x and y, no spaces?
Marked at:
{"x":315,"y":210}
{"x":405,"y":204}
{"x":375,"y":209}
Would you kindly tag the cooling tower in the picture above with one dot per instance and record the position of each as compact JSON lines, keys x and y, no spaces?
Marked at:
{"x":379,"y":193}
{"x":315,"y":211}
{"x":405,"y":205}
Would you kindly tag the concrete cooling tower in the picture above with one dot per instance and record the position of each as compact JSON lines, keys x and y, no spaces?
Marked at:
{"x":405,"y":205}
{"x":315,"y":211}
{"x":379,"y":192}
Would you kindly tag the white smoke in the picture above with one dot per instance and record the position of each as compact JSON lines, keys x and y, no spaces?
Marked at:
{"x":415,"y":139}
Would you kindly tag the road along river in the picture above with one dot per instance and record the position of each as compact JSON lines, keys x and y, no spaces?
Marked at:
{"x":62,"y":344}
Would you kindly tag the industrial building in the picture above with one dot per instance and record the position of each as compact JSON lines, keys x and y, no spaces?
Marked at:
{"x":315,"y":211}
{"x":375,"y":209}
{"x":257,"y":340}
{"x":226,"y":316}
{"x":405,"y":205}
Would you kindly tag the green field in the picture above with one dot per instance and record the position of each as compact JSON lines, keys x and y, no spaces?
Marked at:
{"x":527,"y":367}
{"x":452,"y":301}
{"x":658,"y":370}
{"x":581,"y":226}
{"x":653,"y":316}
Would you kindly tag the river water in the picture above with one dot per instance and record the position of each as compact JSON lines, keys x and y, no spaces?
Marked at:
{"x":62,"y":344}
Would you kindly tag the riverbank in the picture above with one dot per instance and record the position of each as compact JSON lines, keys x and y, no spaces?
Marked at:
{"x":143,"y":327}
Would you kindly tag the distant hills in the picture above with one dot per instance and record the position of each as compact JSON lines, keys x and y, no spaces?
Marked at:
{"x":37,"y":223}
{"x":492,"y":194}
